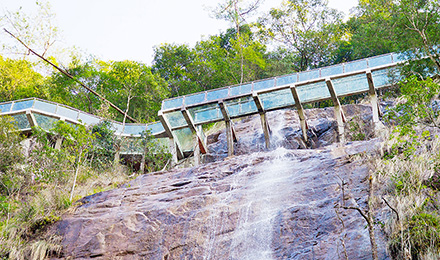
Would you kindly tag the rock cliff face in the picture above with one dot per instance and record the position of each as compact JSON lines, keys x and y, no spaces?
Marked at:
{"x":277,"y":204}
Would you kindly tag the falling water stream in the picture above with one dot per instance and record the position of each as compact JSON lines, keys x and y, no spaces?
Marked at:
{"x":261,"y":190}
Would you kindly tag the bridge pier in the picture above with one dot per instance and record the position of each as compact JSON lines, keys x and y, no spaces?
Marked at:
{"x":230,"y":132}
{"x":174,"y":146}
{"x":375,"y":109}
{"x":301,"y":115}
{"x":339,"y":113}
{"x":263,"y":118}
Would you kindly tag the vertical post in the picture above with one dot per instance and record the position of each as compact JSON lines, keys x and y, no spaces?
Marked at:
{"x":373,"y":99}
{"x":300,"y":110}
{"x":263,"y":118}
{"x":59,"y":139}
{"x":229,"y":129}
{"x":31,"y":118}
{"x":174,"y":146}
{"x":339,"y":113}
{"x":197,"y":154}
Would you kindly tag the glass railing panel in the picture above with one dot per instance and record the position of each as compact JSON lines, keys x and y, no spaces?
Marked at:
{"x":45,"y":106}
{"x":21,"y":121}
{"x":5,"y":107}
{"x":194,"y":99}
{"x":240,"y":90}
{"x":186,"y":139}
{"x":275,"y":99}
{"x":155,"y":128}
{"x":131,"y":146}
{"x":308,"y":75}
{"x":287,"y":80}
{"x":172,"y":103}
{"x":241,"y":106}
{"x":265,"y":84}
{"x":176,"y":119}
{"x":355,"y":66}
{"x":67,"y":112}
{"x":313,"y":92}
{"x":206,"y":113}
{"x":385,"y":77}
{"x":134,"y":129}
{"x":88,"y":119}
{"x":162,"y":143}
{"x":399,"y":57}
{"x":217,"y":94}
{"x":379,"y":61}
{"x":117,"y":127}
{"x":350,"y":85}
{"x":45,"y":122}
{"x":22,"y":105}
{"x":331,"y":71}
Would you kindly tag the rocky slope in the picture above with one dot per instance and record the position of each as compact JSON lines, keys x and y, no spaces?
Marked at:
{"x":277,"y":204}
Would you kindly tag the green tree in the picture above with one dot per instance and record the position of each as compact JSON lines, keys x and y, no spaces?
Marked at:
{"x":309,"y":29}
{"x":18,"y":80}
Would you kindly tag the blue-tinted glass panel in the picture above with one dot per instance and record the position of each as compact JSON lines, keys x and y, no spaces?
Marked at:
{"x":399,"y":57}
{"x":185,"y":138}
{"x":162,"y":143}
{"x":351,"y":85}
{"x":155,"y":128}
{"x":379,"y":61}
{"x":131,"y":146}
{"x":194,"y":99}
{"x":172,"y":103}
{"x":206,"y":113}
{"x":176,"y":119}
{"x":67,"y":112}
{"x":240,"y":90}
{"x":5,"y":107}
{"x":88,"y":119}
{"x":134,"y":129}
{"x":44,"y":106}
{"x":385,"y":77}
{"x":276,"y":99}
{"x":355,"y":65}
{"x":308,"y":75}
{"x":241,"y":106}
{"x":313,"y":92}
{"x":23,"y":105}
{"x":21,"y":121}
{"x":286,"y":80}
{"x":117,"y":127}
{"x":333,"y":70}
{"x":217,"y":94}
{"x":45,"y":122}
{"x":265,"y":84}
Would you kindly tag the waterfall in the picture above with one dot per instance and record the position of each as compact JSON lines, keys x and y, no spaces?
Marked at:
{"x":260,"y":191}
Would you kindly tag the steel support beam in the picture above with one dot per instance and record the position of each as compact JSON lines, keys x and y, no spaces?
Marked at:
{"x":339,"y":113}
{"x":263,"y":118}
{"x":189,"y":120}
{"x":300,"y":110}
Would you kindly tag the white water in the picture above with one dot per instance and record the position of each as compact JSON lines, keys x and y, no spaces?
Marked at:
{"x":261,"y":191}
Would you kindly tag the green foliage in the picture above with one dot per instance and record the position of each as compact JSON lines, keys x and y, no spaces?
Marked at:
{"x":309,"y":29}
{"x":103,"y":145}
{"x":419,"y":106}
{"x":18,"y":80}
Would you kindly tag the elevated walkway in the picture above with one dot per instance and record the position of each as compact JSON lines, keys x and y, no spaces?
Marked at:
{"x":181,"y":118}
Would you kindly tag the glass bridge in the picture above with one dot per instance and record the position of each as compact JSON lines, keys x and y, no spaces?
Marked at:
{"x":181,"y":118}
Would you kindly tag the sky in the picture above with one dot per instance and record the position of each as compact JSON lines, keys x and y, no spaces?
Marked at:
{"x":129,"y":29}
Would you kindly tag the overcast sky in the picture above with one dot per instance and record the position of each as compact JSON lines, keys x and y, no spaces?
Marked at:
{"x":129,"y":29}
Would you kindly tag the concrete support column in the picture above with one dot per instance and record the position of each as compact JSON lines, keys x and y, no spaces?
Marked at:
{"x":339,"y":113}
{"x":266,"y":129}
{"x":375,"y":109}
{"x":230,"y":136}
{"x":31,"y":118}
{"x":301,"y":115}
{"x":263,"y":118}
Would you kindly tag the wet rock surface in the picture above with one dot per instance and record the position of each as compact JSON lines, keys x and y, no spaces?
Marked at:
{"x":259,"y":204}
